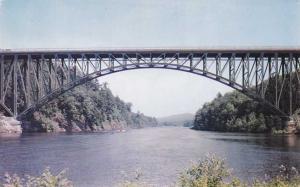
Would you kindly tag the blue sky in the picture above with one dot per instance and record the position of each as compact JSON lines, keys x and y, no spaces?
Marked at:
{"x":151,"y":23}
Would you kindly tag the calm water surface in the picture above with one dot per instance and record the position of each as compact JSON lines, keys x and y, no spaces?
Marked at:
{"x":160,"y":154}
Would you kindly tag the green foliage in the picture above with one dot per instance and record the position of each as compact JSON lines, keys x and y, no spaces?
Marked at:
{"x":90,"y":107}
{"x":236,"y":112}
{"x":208,"y":172}
{"x":212,"y":172}
{"x":46,"y":179}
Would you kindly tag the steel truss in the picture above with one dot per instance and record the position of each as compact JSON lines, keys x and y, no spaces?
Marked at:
{"x":29,"y":79}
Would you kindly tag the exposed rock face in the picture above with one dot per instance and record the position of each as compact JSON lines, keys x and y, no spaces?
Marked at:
{"x":291,"y":127}
{"x":9,"y":125}
{"x":296,"y":119}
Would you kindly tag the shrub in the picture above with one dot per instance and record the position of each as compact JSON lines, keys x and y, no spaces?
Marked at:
{"x":211,"y":172}
{"x":47,"y":179}
{"x":208,"y":172}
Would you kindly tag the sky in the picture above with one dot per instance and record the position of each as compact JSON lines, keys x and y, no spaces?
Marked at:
{"x":152,"y":23}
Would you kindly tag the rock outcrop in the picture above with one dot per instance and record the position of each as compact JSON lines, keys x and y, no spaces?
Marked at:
{"x":9,"y":125}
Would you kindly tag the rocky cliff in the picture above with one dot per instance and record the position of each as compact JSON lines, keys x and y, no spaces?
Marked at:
{"x":9,"y":125}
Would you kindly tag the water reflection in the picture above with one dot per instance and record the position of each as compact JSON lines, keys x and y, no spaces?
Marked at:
{"x":284,"y":142}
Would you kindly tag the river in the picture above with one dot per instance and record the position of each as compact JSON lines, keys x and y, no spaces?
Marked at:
{"x":159,"y":154}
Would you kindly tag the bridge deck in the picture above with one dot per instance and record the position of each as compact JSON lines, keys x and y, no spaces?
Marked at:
{"x":147,"y":52}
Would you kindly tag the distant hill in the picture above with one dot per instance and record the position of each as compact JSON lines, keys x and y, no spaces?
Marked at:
{"x":185,"y":119}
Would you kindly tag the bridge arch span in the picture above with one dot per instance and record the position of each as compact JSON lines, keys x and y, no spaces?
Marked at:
{"x":30,"y":79}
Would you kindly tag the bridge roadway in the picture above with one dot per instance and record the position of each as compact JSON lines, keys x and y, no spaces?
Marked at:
{"x":147,"y":51}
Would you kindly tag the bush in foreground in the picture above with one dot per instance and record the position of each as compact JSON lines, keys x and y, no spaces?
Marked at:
{"x":212,"y":172}
{"x":208,"y":172}
{"x":47,"y":179}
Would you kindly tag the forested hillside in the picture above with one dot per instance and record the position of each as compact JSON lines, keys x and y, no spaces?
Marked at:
{"x":90,"y":107}
{"x":236,"y":112}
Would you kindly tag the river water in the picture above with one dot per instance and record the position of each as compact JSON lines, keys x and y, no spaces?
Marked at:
{"x":158,"y":154}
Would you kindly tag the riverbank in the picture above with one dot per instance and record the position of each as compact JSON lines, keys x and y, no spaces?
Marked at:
{"x":56,"y":126}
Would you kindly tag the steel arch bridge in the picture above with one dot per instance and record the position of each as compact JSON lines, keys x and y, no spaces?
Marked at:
{"x":31,"y":78}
